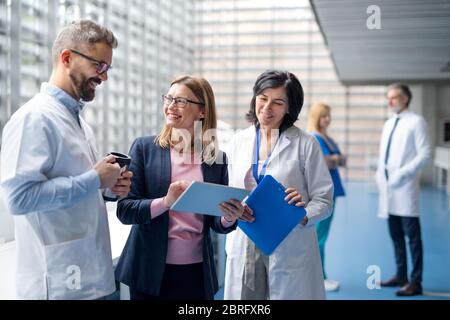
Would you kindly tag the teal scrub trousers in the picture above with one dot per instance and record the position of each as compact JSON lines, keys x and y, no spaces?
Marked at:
{"x":323,"y":229}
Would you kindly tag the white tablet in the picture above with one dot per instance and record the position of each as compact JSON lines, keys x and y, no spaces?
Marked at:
{"x":204,"y":198}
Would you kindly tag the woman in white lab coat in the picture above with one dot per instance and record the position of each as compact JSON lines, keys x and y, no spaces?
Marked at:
{"x":294,"y":158}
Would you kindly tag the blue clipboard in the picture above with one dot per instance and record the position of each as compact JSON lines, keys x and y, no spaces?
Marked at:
{"x":274,"y":217}
{"x":204,"y":198}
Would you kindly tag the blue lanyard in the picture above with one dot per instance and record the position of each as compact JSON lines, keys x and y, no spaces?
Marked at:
{"x":255,"y":164}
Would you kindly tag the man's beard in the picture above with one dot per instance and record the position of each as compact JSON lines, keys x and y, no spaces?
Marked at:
{"x":82,"y":87}
{"x":397,"y":108}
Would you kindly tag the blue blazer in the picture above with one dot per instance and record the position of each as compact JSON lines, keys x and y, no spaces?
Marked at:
{"x":142,"y":262}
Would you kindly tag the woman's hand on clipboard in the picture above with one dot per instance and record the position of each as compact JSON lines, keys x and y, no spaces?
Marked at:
{"x":294,"y":198}
{"x":233,"y":210}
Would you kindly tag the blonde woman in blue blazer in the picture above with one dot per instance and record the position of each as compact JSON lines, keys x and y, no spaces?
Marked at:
{"x":169,"y":255}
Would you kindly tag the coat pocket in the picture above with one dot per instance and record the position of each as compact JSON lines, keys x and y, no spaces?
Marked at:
{"x":71,"y":269}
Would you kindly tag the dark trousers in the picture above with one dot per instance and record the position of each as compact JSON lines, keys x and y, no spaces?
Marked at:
{"x":180,"y":282}
{"x":399,"y":227}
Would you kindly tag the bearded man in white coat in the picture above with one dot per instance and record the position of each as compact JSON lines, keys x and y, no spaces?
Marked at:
{"x":404,"y":151}
{"x":52,"y":181}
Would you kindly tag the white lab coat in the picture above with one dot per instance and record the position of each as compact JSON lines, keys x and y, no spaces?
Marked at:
{"x":409,"y":152}
{"x":295,"y":270}
{"x":64,"y":251}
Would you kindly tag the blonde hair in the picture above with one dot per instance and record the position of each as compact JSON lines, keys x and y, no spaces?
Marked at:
{"x":316,"y":111}
{"x":202,"y":90}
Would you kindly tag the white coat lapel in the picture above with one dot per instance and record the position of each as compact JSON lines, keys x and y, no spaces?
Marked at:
{"x":284,"y":141}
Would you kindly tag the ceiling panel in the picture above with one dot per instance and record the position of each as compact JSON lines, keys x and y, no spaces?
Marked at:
{"x":412,"y":45}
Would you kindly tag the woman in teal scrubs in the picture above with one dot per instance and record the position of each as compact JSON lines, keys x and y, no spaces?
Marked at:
{"x":318,"y":121}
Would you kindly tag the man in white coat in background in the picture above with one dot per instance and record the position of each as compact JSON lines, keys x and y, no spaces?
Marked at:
{"x":404,"y":151}
{"x":51,"y":179}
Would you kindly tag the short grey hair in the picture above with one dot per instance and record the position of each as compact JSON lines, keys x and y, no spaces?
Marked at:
{"x":81,"y":33}
{"x":404,"y":89}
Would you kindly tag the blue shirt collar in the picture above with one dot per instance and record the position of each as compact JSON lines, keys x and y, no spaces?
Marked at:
{"x":64,"y":98}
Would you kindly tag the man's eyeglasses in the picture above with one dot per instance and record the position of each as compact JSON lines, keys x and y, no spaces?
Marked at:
{"x":179,"y":102}
{"x":102,"y":66}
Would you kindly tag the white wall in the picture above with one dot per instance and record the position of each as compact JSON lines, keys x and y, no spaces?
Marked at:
{"x":424,"y":102}
{"x":6,"y":222}
{"x":8,"y":262}
{"x":443,"y":98}
{"x":432,"y":101}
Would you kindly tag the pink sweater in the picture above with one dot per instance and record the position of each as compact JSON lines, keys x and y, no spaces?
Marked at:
{"x":185,"y":244}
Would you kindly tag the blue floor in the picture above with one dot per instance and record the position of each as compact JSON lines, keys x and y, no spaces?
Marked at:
{"x":358,"y":239}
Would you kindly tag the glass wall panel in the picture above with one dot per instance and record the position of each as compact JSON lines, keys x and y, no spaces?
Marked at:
{"x":239,"y":39}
